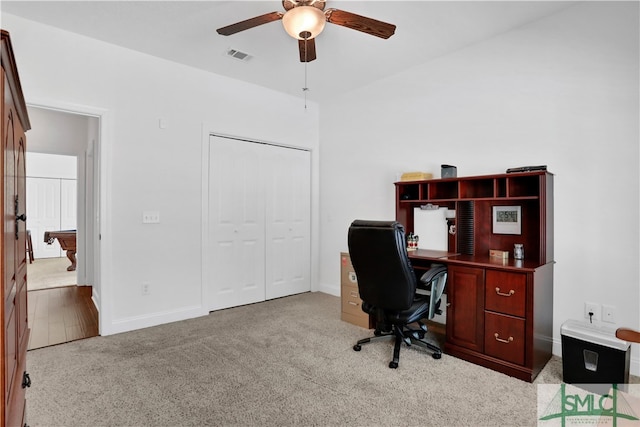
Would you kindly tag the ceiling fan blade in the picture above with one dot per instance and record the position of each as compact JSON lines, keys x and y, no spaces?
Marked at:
{"x":307,"y":50}
{"x":360,"y":23}
{"x":249,"y":23}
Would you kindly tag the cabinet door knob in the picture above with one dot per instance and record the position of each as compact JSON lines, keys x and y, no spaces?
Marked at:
{"x":26,"y":380}
{"x":502,"y":294}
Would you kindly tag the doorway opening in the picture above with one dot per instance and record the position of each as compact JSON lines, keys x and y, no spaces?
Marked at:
{"x":63,"y":191}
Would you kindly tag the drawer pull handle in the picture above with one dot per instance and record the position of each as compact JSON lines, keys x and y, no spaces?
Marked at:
{"x":353,"y":303}
{"x":354,"y":294}
{"x":502,"y":340}
{"x":502,"y":294}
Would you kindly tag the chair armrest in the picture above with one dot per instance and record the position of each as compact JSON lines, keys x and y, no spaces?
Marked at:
{"x":435,"y":280}
{"x":627,"y":334}
{"x":435,"y":269}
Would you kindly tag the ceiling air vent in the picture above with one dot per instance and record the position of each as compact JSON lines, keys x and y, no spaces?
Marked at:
{"x":241,"y":56}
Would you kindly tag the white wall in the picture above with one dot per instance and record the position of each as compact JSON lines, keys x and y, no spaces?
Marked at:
{"x":149,"y":168}
{"x":56,"y":132}
{"x":41,"y":165}
{"x":562,"y":91}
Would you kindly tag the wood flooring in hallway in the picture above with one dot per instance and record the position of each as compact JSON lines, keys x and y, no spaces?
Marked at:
{"x":59,"y":315}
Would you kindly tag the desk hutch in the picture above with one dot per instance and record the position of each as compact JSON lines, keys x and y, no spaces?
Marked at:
{"x":499,"y":312}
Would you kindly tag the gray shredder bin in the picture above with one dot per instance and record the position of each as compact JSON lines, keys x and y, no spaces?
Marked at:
{"x":591,"y":354}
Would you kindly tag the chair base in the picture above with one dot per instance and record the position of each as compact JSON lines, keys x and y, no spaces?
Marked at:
{"x":402,"y":334}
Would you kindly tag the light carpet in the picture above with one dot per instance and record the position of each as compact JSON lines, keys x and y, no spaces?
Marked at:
{"x":284,"y":362}
{"x":46,"y":273}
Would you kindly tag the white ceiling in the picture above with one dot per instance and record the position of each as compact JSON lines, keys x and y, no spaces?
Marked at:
{"x":185,"y":32}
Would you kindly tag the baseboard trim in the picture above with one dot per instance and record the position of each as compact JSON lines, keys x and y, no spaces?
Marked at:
{"x":153,"y":319}
{"x":329,"y":288}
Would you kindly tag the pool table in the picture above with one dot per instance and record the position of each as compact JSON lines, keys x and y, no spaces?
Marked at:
{"x":67,"y":240}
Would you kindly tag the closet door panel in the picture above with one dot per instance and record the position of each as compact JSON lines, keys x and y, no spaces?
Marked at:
{"x":43,"y":214}
{"x":68,"y":204}
{"x":236,"y":224}
{"x":288,"y":225}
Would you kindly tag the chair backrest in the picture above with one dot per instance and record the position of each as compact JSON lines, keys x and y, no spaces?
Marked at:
{"x":379,"y":257}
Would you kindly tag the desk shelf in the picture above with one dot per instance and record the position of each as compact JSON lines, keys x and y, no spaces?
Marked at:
{"x":500,"y":187}
{"x":532,"y":191}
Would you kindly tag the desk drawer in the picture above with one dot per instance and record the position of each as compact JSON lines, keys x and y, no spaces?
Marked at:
{"x":506,"y":292}
{"x":504,"y":337}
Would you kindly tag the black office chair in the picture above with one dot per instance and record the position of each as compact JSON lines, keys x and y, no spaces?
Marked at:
{"x":389,"y":288}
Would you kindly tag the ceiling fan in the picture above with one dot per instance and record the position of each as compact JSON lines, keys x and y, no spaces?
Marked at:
{"x":305,"y":19}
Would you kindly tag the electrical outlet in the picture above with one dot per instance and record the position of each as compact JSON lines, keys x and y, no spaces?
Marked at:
{"x":146,"y":288}
{"x":608,"y":313}
{"x":590,"y":307}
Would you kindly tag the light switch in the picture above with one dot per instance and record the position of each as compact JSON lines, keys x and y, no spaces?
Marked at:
{"x":150,"y":217}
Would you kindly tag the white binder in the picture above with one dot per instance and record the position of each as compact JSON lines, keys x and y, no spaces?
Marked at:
{"x":431,"y":227}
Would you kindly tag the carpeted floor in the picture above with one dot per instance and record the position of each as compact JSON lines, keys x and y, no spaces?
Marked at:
{"x":47,"y":273}
{"x":285,"y":362}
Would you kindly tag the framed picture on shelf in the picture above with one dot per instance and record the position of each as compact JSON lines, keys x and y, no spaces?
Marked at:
{"x":507,"y":220}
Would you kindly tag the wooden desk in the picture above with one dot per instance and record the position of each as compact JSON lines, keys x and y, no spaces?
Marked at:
{"x":499,"y":314}
{"x":67,"y":240}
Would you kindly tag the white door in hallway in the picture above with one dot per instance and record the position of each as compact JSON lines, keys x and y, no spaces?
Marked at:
{"x":51,"y":206}
{"x":68,"y":204}
{"x":43,"y":214}
{"x":259,"y":222}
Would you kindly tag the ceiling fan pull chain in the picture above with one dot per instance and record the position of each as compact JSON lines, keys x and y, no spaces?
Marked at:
{"x":305,"y":89}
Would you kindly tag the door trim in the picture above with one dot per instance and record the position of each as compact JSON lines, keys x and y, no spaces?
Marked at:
{"x":102,"y":246}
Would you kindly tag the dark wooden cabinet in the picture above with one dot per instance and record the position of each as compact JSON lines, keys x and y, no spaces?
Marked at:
{"x":15,"y":332}
{"x":465,"y":307}
{"x":499,"y":312}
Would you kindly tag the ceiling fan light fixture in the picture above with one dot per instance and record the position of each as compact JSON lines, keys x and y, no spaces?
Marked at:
{"x":304,"y":22}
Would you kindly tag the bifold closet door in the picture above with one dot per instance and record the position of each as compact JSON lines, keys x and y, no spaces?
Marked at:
{"x":288,"y":225}
{"x":236,"y":224}
{"x":259,"y":222}
{"x":51,"y":206}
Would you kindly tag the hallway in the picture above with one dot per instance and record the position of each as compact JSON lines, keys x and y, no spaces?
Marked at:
{"x":59,"y":315}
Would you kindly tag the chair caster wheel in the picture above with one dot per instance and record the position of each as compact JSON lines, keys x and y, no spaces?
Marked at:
{"x":393,"y":365}
{"x":357,"y":347}
{"x":436,"y":355}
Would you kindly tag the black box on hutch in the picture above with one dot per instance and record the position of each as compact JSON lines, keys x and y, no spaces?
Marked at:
{"x":448,"y":171}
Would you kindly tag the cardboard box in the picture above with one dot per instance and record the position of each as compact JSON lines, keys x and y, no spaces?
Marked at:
{"x":416,"y":176}
{"x":347,"y":273}
{"x":494,"y":253}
